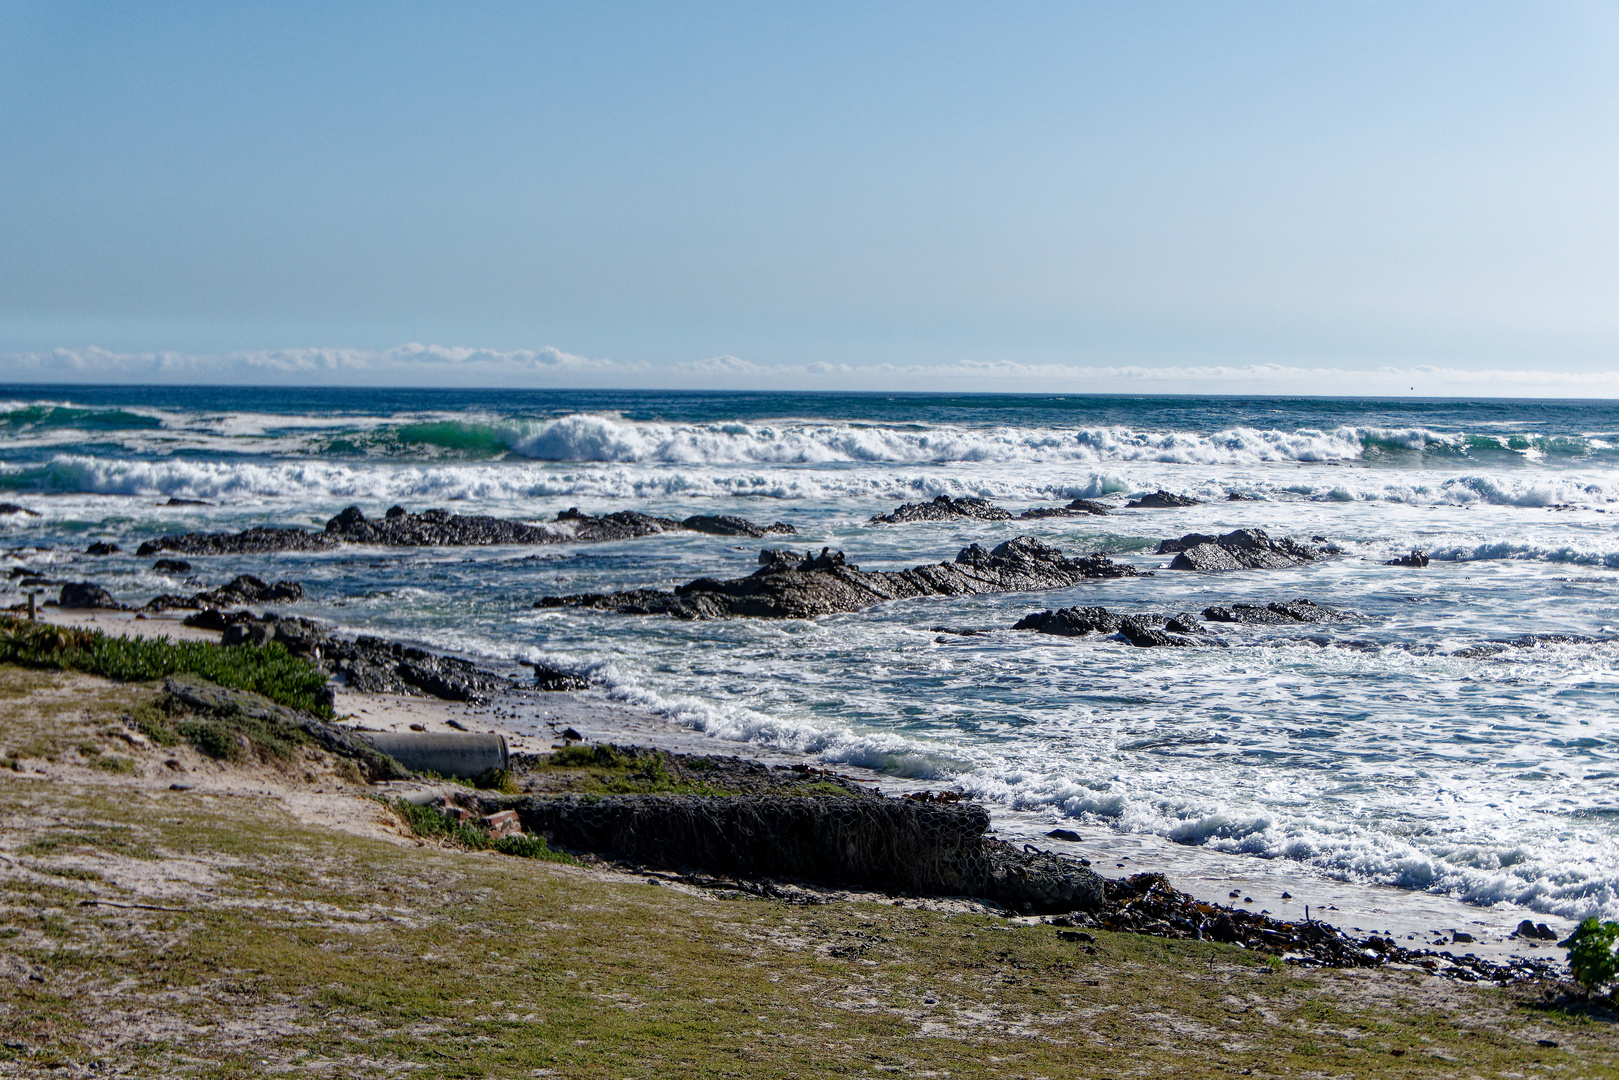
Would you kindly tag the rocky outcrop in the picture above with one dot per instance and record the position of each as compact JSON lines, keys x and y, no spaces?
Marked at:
{"x":1073,"y":509}
{"x":371,"y":665}
{"x":727,"y":525}
{"x":101,"y":547}
{"x":440,"y":528}
{"x":1241,"y":549}
{"x":243,"y":589}
{"x":84,"y":595}
{"x":1162,"y":500}
{"x":792,"y":586}
{"x":931,"y":847}
{"x":1416,"y":560}
{"x":258,"y":540}
{"x":945,"y":508}
{"x":1144,"y":630}
{"x":1292,"y":612}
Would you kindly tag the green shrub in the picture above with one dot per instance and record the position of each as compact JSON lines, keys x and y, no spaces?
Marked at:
{"x":429,"y":822}
{"x":268,"y":670}
{"x":1591,"y":953}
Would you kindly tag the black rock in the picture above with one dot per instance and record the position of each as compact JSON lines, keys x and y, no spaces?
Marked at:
{"x":1237,"y":496}
{"x":172,"y":566}
{"x":1294,"y":611}
{"x":1065,"y":834}
{"x":1144,"y":636}
{"x":82,"y":594}
{"x":255,"y":541}
{"x":1071,"y":622}
{"x":175,"y":500}
{"x":727,"y":525}
{"x":945,"y":508}
{"x":1240,"y":549}
{"x":549,"y":678}
{"x":1416,"y":560}
{"x":788,"y":585}
{"x":1162,"y":500}
{"x":102,"y":548}
{"x":1073,"y":509}
{"x":243,"y":589}
{"x":13,"y":508}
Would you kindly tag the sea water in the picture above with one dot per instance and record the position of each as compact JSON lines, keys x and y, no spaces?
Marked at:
{"x":1390,"y":750}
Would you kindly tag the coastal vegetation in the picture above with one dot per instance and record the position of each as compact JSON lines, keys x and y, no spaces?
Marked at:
{"x":221,"y":931}
{"x":270,"y":670}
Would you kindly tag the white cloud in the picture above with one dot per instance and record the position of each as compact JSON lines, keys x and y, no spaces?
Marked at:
{"x":416,"y":364}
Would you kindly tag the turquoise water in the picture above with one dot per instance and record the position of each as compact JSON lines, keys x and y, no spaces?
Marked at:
{"x":1377,"y":751}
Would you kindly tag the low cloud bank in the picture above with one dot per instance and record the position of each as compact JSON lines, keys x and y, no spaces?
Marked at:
{"x":439,"y":365}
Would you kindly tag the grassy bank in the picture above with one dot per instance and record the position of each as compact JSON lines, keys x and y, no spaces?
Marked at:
{"x":270,"y":670}
{"x":248,"y":943}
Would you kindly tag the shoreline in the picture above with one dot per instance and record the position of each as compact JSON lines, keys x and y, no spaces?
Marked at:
{"x":532,"y":722}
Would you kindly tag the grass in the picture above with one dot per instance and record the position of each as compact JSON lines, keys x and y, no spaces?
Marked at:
{"x":285,"y":948}
{"x":615,"y":770}
{"x":428,"y":822}
{"x":268,"y":670}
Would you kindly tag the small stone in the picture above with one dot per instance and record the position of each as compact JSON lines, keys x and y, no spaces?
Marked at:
{"x":1064,"y":834}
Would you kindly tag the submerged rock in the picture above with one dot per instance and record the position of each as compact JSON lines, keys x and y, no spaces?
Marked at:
{"x":1241,"y":549}
{"x":85,"y":595}
{"x":1162,"y":500}
{"x":1294,"y":611}
{"x":101,"y":547}
{"x":1416,"y":560}
{"x":171,"y":566}
{"x":945,"y":508}
{"x":13,"y":508}
{"x":790,"y":586}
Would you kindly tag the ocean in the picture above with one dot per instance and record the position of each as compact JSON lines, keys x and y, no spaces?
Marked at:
{"x":1388,"y":751}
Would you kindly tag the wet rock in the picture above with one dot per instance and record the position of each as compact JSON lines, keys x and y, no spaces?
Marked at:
{"x":258,"y":540}
{"x":945,"y":508}
{"x":434,"y":528}
{"x":101,"y":547}
{"x":243,"y":589}
{"x":172,"y":566}
{"x":1240,"y":549}
{"x":1294,"y":611}
{"x":1162,"y":500}
{"x":788,"y":585}
{"x":1069,"y":835}
{"x":374,"y":666}
{"x":175,"y":500}
{"x":550,"y":679}
{"x":1144,"y":636}
{"x":1535,"y":931}
{"x":1416,"y":560}
{"x":726,"y":525}
{"x":1074,"y":509}
{"x":1237,"y":496}
{"x":1143,"y":629}
{"x":1071,"y":622}
{"x":13,"y":508}
{"x":83,"y":594}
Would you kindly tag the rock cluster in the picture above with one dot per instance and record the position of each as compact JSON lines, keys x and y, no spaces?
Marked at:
{"x":1416,"y":560}
{"x":1147,"y":904}
{"x":1073,"y":509}
{"x":1144,"y":630}
{"x":371,"y":665}
{"x":241,"y":590}
{"x":1162,"y":500}
{"x":1294,"y":611}
{"x":945,"y":508}
{"x":255,"y":541}
{"x":433,"y":528}
{"x":1241,"y":549}
{"x":792,"y":586}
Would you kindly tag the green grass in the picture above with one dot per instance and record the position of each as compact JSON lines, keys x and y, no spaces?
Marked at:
{"x":428,"y":822}
{"x":269,"y":670}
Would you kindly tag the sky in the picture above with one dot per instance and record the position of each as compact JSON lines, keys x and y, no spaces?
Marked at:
{"x":1160,"y":197}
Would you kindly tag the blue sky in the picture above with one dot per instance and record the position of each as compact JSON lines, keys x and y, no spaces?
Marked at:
{"x":1167,"y":197}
